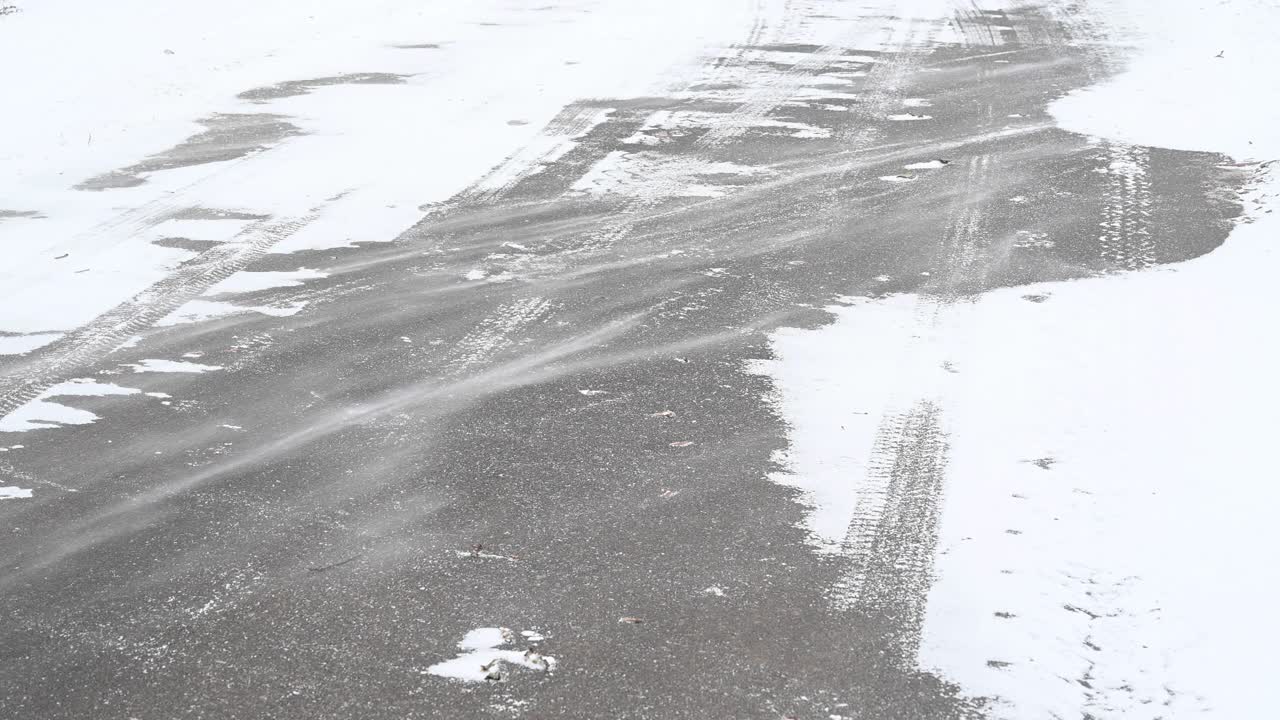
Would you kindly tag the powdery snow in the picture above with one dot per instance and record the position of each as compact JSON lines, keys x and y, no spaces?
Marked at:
{"x":11,"y":492}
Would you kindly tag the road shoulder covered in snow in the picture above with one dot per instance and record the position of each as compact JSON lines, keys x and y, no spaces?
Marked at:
{"x":1107,"y":519}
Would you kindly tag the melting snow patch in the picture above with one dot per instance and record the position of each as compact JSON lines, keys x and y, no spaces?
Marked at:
{"x":10,"y":492}
{"x":245,"y":282}
{"x":897,"y":178}
{"x":476,"y":274}
{"x":23,"y":344}
{"x":199,"y":310}
{"x":170,"y":366}
{"x":131,"y":342}
{"x":909,"y":116}
{"x":40,"y":413}
{"x":484,"y":659}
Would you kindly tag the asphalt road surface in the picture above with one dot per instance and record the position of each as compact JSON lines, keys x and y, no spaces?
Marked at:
{"x":536,"y":408}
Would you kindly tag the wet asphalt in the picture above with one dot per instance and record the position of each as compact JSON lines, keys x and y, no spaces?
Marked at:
{"x":416,"y":454}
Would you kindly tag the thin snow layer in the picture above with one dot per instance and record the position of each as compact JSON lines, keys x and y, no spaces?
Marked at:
{"x":652,"y":175}
{"x":483,"y":657}
{"x":12,"y":492}
{"x":360,"y":159}
{"x":170,"y":366}
{"x":41,"y":412}
{"x":23,"y":344}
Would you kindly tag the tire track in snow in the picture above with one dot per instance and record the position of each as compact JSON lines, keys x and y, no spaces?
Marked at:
{"x":882,"y":94}
{"x":768,"y":95}
{"x":105,"y":333}
{"x":552,"y":142}
{"x":983,"y":27}
{"x":495,"y":333}
{"x":102,"y":335}
{"x":892,"y":537}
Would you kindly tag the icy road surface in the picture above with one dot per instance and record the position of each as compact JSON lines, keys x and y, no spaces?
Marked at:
{"x":601,"y":359}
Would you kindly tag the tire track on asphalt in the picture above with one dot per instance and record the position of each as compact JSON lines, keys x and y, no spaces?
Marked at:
{"x":1126,"y":240}
{"x":494,"y":334}
{"x":884,"y":80}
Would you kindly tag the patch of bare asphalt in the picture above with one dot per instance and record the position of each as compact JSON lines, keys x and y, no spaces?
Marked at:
{"x":293,"y":88}
{"x":225,"y":137}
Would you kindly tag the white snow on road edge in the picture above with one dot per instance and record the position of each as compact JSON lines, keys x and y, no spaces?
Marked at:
{"x":1105,"y":546}
{"x":1139,"y":584}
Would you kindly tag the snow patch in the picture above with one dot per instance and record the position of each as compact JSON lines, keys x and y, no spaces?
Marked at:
{"x":247,"y":282}
{"x":23,"y":344}
{"x":41,"y":413}
{"x":483,"y":658}
{"x":169,"y":366}
{"x":201,"y":310}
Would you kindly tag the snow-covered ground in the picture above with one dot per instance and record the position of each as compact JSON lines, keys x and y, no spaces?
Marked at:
{"x":1108,"y":516}
{"x":336,"y":119}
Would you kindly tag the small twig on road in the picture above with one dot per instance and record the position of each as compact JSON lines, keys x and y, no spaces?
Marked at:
{"x":331,"y":566}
